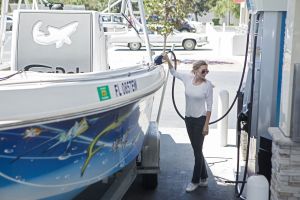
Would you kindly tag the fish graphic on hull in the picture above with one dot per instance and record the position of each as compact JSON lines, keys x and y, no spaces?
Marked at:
{"x":32,"y":132}
{"x":93,"y":148}
{"x":63,"y":137}
{"x":57,"y":36}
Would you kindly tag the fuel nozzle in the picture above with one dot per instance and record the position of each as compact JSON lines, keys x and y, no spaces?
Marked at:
{"x":158,"y":60}
{"x":243,"y":121}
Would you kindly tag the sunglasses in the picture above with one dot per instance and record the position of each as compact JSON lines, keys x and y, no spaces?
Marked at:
{"x":204,"y":71}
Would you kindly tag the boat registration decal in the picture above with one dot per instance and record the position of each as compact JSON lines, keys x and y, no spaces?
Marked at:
{"x":124,"y":88}
{"x":103,"y":93}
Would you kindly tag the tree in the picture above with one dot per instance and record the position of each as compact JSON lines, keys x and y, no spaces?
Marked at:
{"x":224,"y":7}
{"x":166,"y":15}
{"x":202,"y":7}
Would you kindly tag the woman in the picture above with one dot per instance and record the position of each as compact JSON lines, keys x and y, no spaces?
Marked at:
{"x":199,"y":99}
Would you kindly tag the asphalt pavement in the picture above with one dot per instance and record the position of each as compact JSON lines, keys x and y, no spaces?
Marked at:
{"x":176,"y":170}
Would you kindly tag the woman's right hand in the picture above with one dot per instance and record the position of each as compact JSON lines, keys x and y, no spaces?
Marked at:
{"x":205,"y":129}
{"x":166,"y":57}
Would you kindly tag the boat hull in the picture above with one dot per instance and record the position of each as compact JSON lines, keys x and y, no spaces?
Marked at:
{"x":65,"y":156}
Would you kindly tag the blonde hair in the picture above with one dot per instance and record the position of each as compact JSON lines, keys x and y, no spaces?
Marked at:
{"x":198,"y":64}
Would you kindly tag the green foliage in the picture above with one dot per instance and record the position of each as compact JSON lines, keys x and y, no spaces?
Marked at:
{"x":202,"y":7}
{"x":224,"y":6}
{"x":236,"y":10}
{"x":166,"y":15}
{"x":98,"y":5}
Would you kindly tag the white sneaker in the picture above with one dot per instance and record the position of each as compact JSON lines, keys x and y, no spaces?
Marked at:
{"x":191,"y":187}
{"x":203,"y":182}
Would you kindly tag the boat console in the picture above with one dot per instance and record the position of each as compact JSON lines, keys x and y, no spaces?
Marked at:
{"x":56,"y":41}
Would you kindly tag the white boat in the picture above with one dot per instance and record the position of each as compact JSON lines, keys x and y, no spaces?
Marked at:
{"x":59,"y":133}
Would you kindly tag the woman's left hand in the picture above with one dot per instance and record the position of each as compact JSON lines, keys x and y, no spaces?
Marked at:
{"x":205,"y":130}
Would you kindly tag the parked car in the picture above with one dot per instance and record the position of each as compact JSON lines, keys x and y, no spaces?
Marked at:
{"x":113,"y":22}
{"x":184,"y":25}
{"x":9,"y":23}
{"x":188,"y":41}
{"x":187,"y":27}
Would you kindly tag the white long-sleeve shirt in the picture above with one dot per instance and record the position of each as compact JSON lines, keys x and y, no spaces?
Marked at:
{"x":196,"y":96}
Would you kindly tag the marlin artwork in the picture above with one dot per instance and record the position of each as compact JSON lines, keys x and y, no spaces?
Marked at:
{"x":71,"y":153}
{"x":57,"y":36}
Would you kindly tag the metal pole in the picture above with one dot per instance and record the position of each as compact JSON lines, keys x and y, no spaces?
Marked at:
{"x":163,"y":93}
{"x":19,"y":4}
{"x":34,"y":5}
{"x":108,"y":6}
{"x":162,"y":98}
{"x":111,"y":6}
{"x":123,"y":7}
{"x":142,"y":11}
{"x":27,"y":4}
{"x":4,"y":9}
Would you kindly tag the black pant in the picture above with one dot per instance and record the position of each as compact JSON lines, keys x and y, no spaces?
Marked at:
{"x":194,"y":128}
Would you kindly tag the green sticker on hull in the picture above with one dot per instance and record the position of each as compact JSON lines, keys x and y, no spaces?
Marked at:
{"x":103,"y":93}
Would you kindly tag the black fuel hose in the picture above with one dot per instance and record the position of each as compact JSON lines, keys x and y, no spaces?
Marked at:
{"x":251,"y":102}
{"x":158,"y":61}
{"x":238,"y":125}
{"x":173,"y":86}
{"x":232,"y":104}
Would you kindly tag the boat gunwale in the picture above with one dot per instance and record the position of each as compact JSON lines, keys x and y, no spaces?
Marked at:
{"x":7,"y":125}
{"x":91,"y":76}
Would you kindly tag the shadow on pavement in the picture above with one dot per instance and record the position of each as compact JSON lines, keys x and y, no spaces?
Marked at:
{"x":176,"y":171}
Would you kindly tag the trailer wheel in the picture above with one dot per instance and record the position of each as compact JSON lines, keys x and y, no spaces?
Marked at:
{"x":150,"y":181}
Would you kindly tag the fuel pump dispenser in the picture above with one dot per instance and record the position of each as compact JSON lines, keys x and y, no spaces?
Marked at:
{"x":260,"y":98}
